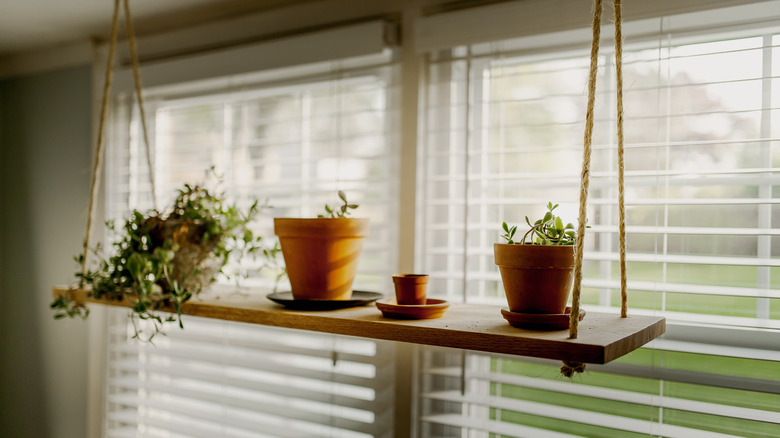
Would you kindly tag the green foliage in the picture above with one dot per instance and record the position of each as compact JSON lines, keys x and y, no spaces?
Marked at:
{"x":509,"y":233}
{"x":341,"y":211}
{"x":66,"y":308}
{"x":166,"y":260}
{"x":548,"y":230}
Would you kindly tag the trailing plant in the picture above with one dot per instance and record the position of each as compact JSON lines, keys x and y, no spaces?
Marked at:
{"x":163,"y":260}
{"x":340,"y":211}
{"x":549,"y":230}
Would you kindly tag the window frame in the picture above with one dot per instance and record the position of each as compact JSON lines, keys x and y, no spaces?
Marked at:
{"x":412,"y":83}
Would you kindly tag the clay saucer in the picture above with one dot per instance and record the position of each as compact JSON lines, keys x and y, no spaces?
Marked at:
{"x":540,"y":321}
{"x":432,"y":308}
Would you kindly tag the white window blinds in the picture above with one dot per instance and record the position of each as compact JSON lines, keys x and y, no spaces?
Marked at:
{"x":504,"y":122}
{"x":503,"y":137}
{"x":664,"y":391}
{"x":292,"y":137}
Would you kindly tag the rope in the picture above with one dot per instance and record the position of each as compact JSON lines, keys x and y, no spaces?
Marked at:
{"x":101,"y":126}
{"x":585,"y":176}
{"x":99,"y":147}
{"x":569,"y":368}
{"x":137,"y":82}
{"x":575,"y":308}
{"x":621,"y":163}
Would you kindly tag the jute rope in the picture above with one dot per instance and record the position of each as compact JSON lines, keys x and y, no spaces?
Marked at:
{"x":575,"y":311}
{"x":139,"y":96}
{"x":621,"y":162}
{"x":585,"y":176}
{"x":99,"y":148}
{"x":102,"y":121}
{"x":570,"y":368}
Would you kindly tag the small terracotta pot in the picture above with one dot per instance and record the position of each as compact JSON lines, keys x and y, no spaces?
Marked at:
{"x":321,"y":255}
{"x":537,"y":278}
{"x":410,"y":289}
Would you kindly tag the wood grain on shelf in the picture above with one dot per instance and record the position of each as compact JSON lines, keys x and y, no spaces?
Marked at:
{"x":602,"y":337}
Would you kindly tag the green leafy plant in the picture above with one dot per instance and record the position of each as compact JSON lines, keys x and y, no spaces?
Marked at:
{"x":548,"y":230}
{"x":340,"y":211}
{"x":161,"y":260}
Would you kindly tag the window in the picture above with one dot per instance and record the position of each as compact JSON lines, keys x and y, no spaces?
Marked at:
{"x":503,"y":136}
{"x":292,"y":144}
{"x":293,"y":136}
{"x":698,"y":161}
{"x":651,"y":392}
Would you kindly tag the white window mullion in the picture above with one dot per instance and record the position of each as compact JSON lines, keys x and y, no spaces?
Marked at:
{"x":471,"y":123}
{"x":765,"y":190}
{"x":306,"y":149}
{"x":486,"y":238}
{"x":664,"y":69}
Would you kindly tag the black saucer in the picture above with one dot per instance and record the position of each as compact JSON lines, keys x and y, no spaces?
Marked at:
{"x":359,"y":298}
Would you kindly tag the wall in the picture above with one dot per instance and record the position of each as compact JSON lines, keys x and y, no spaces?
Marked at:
{"x":45,"y":142}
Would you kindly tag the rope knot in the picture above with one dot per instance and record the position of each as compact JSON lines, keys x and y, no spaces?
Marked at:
{"x":569,"y":368}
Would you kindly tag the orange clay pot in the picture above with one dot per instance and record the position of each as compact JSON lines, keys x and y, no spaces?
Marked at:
{"x":410,"y":289}
{"x":537,"y":278}
{"x":321,"y":255}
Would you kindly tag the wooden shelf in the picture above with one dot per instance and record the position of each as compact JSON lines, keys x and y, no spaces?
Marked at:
{"x":602,"y":337}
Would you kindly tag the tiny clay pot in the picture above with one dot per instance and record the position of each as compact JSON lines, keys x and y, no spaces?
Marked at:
{"x":410,"y":289}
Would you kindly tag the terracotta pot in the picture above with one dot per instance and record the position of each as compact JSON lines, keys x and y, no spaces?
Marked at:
{"x":537,"y":278}
{"x":321,"y":255}
{"x":410,"y":289}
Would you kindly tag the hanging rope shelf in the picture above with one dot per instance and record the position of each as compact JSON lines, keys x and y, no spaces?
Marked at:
{"x":597,"y":339}
{"x":603,"y":337}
